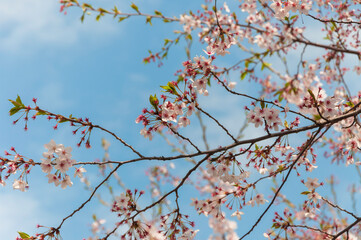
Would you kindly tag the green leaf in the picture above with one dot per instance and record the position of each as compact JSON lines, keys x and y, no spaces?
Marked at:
{"x":14,"y":110}
{"x":247,"y":62}
{"x":98,"y":17}
{"x":41,"y":112}
{"x":149,"y":20}
{"x":62,"y":120}
{"x":82,"y":17}
{"x":15,"y":103}
{"x":243,"y":75}
{"x":350,"y":104}
{"x":312,"y":95}
{"x":121,"y":19}
{"x":262,"y":104}
{"x":18,"y":100}
{"x":172,"y":88}
{"x":276,"y":225}
{"x":86,"y":5}
{"x":180,"y":79}
{"x":305,"y":192}
{"x":158,"y":13}
{"x":333,"y":24}
{"x":115,"y":10}
{"x":209,"y":81}
{"x":166,"y":41}
{"x":264,"y":64}
{"x":166,"y":88}
{"x":154,"y":101}
{"x":24,"y":235}
{"x":102,"y":10}
{"x":316,"y":117}
{"x":135,"y":7}
{"x":280,"y":168}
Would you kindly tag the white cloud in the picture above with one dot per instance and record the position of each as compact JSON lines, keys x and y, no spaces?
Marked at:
{"x":29,"y":24}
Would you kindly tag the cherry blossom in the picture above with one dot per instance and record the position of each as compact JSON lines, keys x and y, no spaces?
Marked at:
{"x":312,"y":183}
{"x":20,"y":185}
{"x":237,"y":214}
{"x":283,"y":67}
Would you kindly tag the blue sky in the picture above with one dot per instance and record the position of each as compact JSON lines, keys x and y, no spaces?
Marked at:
{"x":91,"y":69}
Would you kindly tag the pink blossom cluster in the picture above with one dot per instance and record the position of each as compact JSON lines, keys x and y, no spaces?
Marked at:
{"x":223,"y":172}
{"x":283,"y":8}
{"x":222,"y":227}
{"x":17,"y":164}
{"x":171,"y":111}
{"x":184,"y":100}
{"x":126,"y":204}
{"x":59,"y":157}
{"x":269,"y":116}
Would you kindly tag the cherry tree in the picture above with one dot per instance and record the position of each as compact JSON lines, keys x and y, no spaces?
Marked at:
{"x":290,"y":64}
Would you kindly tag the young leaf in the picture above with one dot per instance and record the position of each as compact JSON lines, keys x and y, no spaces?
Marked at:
{"x":262,"y":104}
{"x":62,"y":120}
{"x":86,"y":5}
{"x":82,"y":17}
{"x":135,"y":7}
{"x":18,"y":100}
{"x":24,"y":235}
{"x":121,"y":19}
{"x":264,"y":64}
{"x":243,"y":75}
{"x":14,"y":110}
{"x":41,"y":112}
{"x":312,"y":95}
{"x":154,"y":101}
{"x":149,"y":20}
{"x":16,"y":104}
{"x":158,"y":13}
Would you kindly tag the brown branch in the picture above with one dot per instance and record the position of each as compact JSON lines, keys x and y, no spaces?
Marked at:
{"x":257,"y":99}
{"x":182,"y":137}
{"x":346,"y":229}
{"x":311,"y":228}
{"x":115,"y":13}
{"x":88,"y":200}
{"x":338,"y":207}
{"x":218,"y":123}
{"x":332,"y":20}
{"x":319,"y":45}
{"x":203,"y":127}
{"x":248,"y":141}
{"x":309,"y":143}
{"x":163,"y":197}
{"x":84,"y":124}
